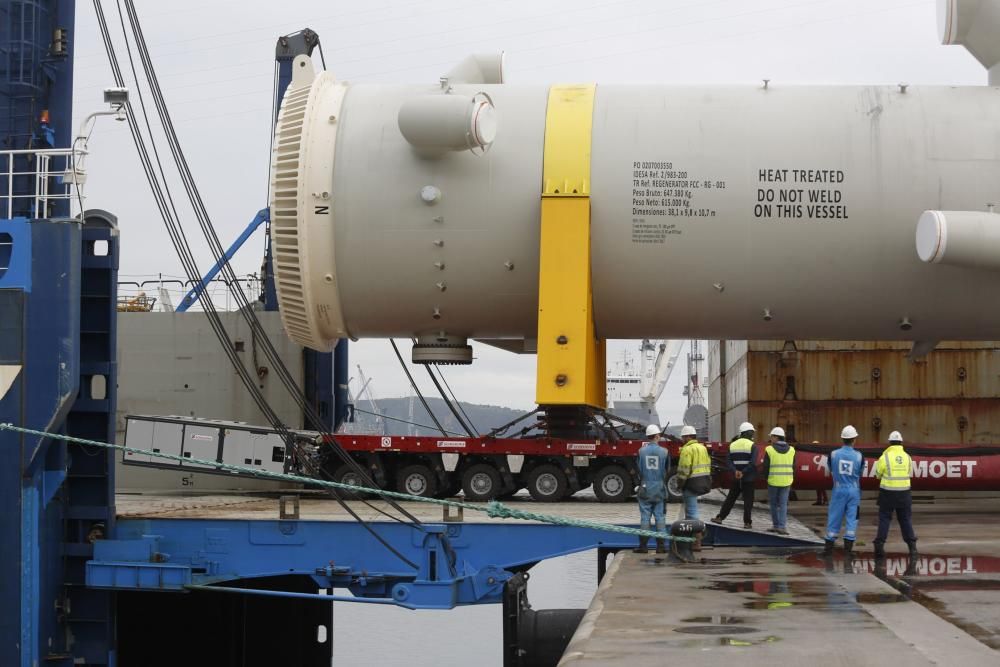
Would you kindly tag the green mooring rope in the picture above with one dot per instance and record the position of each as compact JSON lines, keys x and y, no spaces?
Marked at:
{"x":492,"y":509}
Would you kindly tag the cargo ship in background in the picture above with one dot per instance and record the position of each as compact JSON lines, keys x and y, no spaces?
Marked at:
{"x":633,"y":387}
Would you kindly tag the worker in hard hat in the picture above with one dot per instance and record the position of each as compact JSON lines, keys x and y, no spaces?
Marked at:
{"x":742,"y":464}
{"x":845,"y":464}
{"x":694,"y":471}
{"x":893,"y":469}
{"x":654,"y":467}
{"x":821,"y":496}
{"x":779,"y":471}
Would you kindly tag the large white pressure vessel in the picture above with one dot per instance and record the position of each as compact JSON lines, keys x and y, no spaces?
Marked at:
{"x":751,"y":212}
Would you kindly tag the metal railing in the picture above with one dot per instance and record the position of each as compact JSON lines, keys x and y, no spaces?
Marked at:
{"x":171,"y":289}
{"x":40,"y":177}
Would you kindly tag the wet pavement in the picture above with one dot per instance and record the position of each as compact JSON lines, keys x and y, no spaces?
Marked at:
{"x":758,"y":606}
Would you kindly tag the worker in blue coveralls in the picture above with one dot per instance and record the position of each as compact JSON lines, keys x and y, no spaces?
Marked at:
{"x":846,"y":465}
{"x":654,"y":466}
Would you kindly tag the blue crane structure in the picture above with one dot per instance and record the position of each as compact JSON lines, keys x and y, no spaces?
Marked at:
{"x":80,"y":585}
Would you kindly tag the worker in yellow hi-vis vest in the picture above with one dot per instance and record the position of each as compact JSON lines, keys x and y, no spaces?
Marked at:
{"x":779,"y":471}
{"x":694,"y":471}
{"x":893,"y":468}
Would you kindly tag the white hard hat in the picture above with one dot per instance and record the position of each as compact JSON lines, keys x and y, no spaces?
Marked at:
{"x":895,"y":436}
{"x":653,"y":429}
{"x":746,"y":426}
{"x":778,"y":431}
{"x":849,"y":433}
{"x":688,"y":430}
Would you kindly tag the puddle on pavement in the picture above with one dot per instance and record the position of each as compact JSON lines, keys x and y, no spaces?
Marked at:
{"x":654,"y":560}
{"x":722,"y":641}
{"x":715,"y":630}
{"x":915,"y":580}
{"x":787,"y":593}
{"x":898,"y":564}
{"x":956,"y":584}
{"x":716,"y":620}
{"x":726,"y":561}
{"x":782,"y":552}
{"x":769,"y":586}
{"x":743,"y":575}
{"x":913,"y":588}
{"x":880,"y":598}
{"x":730,"y":641}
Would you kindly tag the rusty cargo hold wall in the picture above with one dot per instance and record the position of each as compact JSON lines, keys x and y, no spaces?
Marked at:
{"x":813,"y":388}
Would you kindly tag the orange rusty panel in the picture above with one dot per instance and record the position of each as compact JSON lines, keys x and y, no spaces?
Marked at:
{"x":970,"y":422}
{"x":866,"y":375}
{"x":851,"y":345}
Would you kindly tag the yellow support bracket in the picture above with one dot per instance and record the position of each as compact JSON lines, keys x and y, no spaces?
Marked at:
{"x":571,"y":359}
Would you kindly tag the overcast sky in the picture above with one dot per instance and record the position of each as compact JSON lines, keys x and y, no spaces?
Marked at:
{"x":215,"y":62}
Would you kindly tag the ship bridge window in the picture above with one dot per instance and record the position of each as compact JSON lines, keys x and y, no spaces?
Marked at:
{"x":6,"y":251}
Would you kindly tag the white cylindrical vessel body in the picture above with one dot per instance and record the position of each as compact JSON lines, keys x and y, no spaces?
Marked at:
{"x":716,"y":212}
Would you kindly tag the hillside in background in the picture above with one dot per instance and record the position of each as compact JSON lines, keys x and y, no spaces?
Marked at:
{"x":483,"y":417}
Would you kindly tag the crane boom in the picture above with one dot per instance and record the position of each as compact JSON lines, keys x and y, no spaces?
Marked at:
{"x":666,"y":359}
{"x":366,"y":392}
{"x":647,"y":366}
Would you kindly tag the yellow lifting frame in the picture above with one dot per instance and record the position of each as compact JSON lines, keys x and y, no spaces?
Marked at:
{"x":571,"y":359}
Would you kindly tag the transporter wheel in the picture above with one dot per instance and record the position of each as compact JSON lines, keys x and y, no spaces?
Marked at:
{"x":548,"y":484}
{"x":451,"y":488}
{"x":481,"y":481}
{"x":508,"y":494}
{"x":613,"y":484}
{"x":417,"y":480}
{"x":675,"y":492}
{"x":346,"y":474}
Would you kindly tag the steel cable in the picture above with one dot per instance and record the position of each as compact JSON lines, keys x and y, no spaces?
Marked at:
{"x":194,"y":196}
{"x":165,"y":204}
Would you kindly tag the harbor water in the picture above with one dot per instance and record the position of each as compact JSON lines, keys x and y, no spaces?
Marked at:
{"x":389,"y":636}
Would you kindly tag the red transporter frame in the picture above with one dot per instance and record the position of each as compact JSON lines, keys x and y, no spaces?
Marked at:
{"x":935,"y":467}
{"x":550,"y":468}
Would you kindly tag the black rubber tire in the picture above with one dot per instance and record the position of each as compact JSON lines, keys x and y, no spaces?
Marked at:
{"x":510,"y":494}
{"x":346,"y":474}
{"x":547,"y":483}
{"x":481,"y":481}
{"x":451,"y":488}
{"x":417,"y":480}
{"x":674,"y":492}
{"x":613,"y":484}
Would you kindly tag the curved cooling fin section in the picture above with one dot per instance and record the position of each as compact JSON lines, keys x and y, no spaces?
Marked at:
{"x":302,"y":208}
